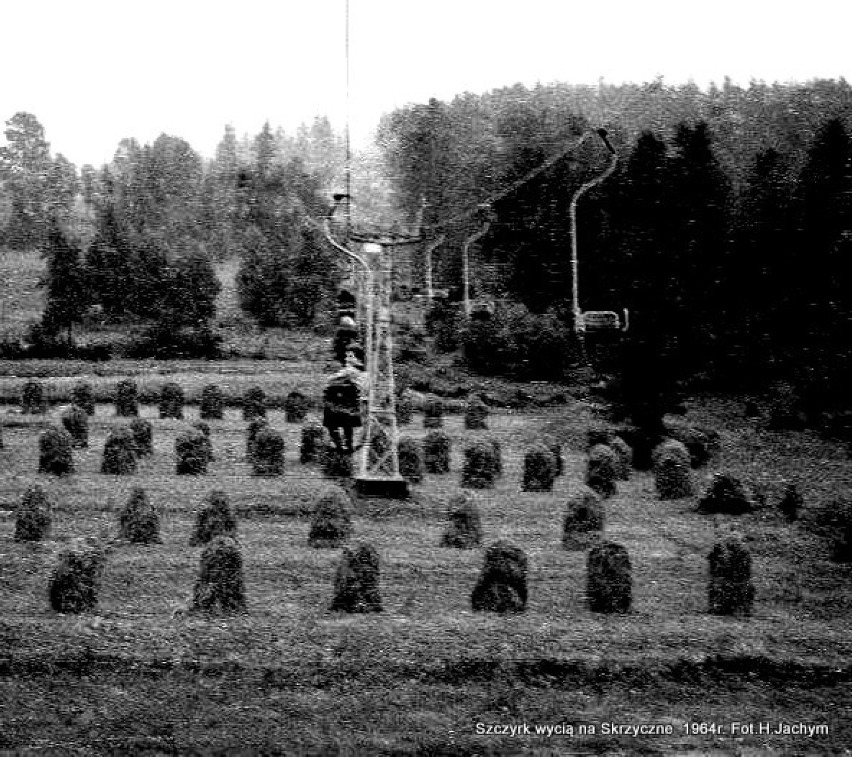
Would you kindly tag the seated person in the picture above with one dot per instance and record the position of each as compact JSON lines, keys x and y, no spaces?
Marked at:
{"x":344,"y":401}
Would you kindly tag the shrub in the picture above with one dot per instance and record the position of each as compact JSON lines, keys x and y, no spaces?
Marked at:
{"x":480,"y":466}
{"x":609,"y":582}
{"x":192,"y":453}
{"x":502,"y":583}
{"x":32,"y":398}
{"x":672,"y":448}
{"x":81,"y":396}
{"x":143,"y":437}
{"x":139,"y":521}
{"x":268,"y":453}
{"x":212,"y":406}
{"x":220,"y":585}
{"x":464,"y":529}
{"x":433,"y":413}
{"x":411,"y":463}
{"x":254,"y":403}
{"x":584,"y":519}
{"x":539,"y":469}
{"x":171,"y":401}
{"x":436,"y":452}
{"x":126,"y":398}
{"x":726,"y":494}
{"x":296,"y":407}
{"x":214,"y":519}
{"x":555,"y":448}
{"x":32,"y":518}
{"x":76,"y":423}
{"x":730,"y":590}
{"x":476,"y":414}
{"x":75,"y":582}
{"x":602,"y":469}
{"x":356,"y":583}
{"x":312,"y":442}
{"x":55,"y":454}
{"x":331,"y":524}
{"x":119,"y":452}
{"x":791,"y":501}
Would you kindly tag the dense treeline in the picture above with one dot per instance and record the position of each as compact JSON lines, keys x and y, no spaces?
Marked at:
{"x":136,"y":240}
{"x":723,"y":228}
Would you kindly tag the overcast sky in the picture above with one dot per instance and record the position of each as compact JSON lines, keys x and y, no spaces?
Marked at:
{"x":95,"y":71}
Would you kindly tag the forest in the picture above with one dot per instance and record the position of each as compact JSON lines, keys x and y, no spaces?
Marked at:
{"x":722,"y":229}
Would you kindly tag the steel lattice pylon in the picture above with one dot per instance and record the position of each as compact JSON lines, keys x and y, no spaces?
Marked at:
{"x":378,"y":463}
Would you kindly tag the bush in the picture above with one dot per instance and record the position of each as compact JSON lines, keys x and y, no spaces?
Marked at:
{"x":480,"y":466}
{"x":76,"y":423}
{"x":204,"y":428}
{"x":164,"y":342}
{"x":143,"y":437}
{"x":76,"y":581}
{"x":539,"y":469}
{"x":32,"y":518}
{"x":296,"y":407}
{"x":268,"y":453}
{"x":411,"y":463}
{"x":331,"y":524}
{"x":502,"y":583}
{"x":624,"y":455}
{"x":436,"y":452}
{"x":730,"y":590}
{"x":602,"y":470}
{"x":214,"y":519}
{"x":32,"y":398}
{"x":498,"y":456}
{"x":81,"y":396}
{"x":433,"y":413}
{"x":55,"y":454}
{"x":171,"y":401}
{"x":220,"y":585}
{"x":312,"y":442}
{"x":583,"y":524}
{"x":126,"y":398}
{"x":726,"y":494}
{"x":254,"y":403}
{"x":464,"y":528}
{"x":212,"y":406}
{"x":476,"y":415}
{"x":356,"y":583}
{"x":609,"y":583}
{"x":139,"y":521}
{"x":443,"y":322}
{"x":192,"y":453}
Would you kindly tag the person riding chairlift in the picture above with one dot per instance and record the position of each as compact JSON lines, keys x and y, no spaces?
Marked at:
{"x":345,"y":399}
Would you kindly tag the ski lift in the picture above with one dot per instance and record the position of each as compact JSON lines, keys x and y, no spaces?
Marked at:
{"x":603,"y":321}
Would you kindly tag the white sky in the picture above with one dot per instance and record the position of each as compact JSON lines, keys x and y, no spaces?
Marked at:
{"x":95,"y":71}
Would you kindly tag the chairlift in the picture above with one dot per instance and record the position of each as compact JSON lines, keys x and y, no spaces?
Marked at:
{"x":603,"y":321}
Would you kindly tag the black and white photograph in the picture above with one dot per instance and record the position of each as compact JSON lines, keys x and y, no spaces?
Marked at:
{"x":468,"y":377}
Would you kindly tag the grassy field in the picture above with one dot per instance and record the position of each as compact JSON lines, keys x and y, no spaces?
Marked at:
{"x":142,"y":675}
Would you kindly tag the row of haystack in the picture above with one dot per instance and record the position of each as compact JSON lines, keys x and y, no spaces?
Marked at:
{"x":501,"y":586}
{"x":170,"y":401}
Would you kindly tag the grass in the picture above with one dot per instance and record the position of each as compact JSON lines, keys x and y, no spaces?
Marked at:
{"x":143,"y":675}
